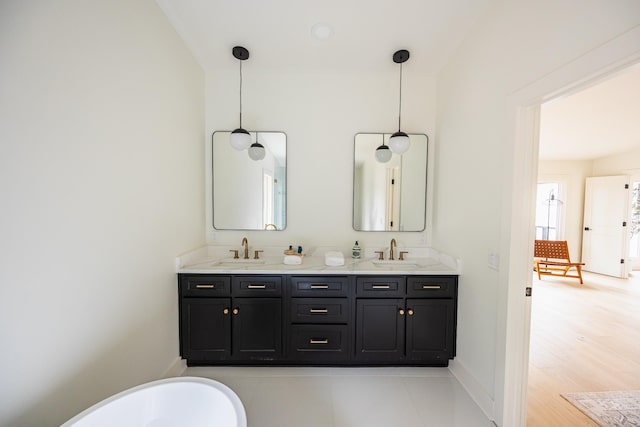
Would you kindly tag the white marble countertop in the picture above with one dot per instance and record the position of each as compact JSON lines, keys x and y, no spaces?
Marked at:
{"x":218,"y":260}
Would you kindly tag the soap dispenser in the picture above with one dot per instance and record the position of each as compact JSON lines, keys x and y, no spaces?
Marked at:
{"x":355,"y":251}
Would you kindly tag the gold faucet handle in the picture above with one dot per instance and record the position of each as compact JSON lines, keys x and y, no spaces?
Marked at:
{"x":402,"y":253}
{"x":380,"y":255}
{"x":235,"y":253}
{"x":256,"y":254}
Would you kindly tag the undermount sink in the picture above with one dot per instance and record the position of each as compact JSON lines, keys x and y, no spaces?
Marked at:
{"x":239,"y":261}
{"x":394,"y":263}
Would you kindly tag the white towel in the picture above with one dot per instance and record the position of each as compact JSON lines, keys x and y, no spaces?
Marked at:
{"x":333,"y":258}
{"x":292,"y":260}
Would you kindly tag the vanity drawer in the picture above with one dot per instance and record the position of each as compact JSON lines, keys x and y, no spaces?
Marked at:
{"x":257,"y":286}
{"x":337,"y":286}
{"x":431,"y":286}
{"x":380,"y":286}
{"x":319,"y":310}
{"x":321,"y":341}
{"x":205,"y":285}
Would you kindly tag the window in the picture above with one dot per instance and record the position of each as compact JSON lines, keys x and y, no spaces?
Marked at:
{"x":548,"y":211}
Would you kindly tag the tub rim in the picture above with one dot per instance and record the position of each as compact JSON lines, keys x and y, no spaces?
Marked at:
{"x":226,"y":390}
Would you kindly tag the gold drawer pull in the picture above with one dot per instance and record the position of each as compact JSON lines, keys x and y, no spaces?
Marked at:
{"x":431,"y":286}
{"x":381,"y":287}
{"x":323,"y":341}
{"x":319,"y":286}
{"x":205,"y":286}
{"x":225,"y":311}
{"x":257,"y":287}
{"x":319,"y":310}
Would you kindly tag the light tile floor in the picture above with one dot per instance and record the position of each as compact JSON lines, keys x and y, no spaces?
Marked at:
{"x":349,"y":397}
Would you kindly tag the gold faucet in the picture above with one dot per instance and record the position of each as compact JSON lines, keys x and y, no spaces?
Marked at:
{"x":245,"y":243}
{"x":393,"y":245}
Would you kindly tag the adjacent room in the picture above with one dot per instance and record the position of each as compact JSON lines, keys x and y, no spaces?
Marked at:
{"x":584,"y":336}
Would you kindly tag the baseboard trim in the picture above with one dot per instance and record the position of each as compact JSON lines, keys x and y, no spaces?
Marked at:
{"x":176,"y":368}
{"x":473,"y":387}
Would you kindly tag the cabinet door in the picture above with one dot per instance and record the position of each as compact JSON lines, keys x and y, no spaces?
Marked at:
{"x":257,"y":328}
{"x":379,"y":329}
{"x":430,"y":330}
{"x":206,"y":329}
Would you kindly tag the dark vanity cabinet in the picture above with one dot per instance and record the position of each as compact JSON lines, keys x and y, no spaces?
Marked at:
{"x":320,"y":313}
{"x":408,"y":319}
{"x":317,"y":319}
{"x":231,"y":318}
{"x":380,"y":318}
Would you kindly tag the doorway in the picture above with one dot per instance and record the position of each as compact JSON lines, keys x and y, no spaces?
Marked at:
{"x":569,"y":337}
{"x":523,"y":106}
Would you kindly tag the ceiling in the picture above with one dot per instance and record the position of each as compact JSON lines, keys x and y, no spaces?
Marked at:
{"x":600,"y":121}
{"x":363,"y":33}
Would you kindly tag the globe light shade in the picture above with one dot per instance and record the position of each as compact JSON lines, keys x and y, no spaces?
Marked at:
{"x":240,"y":139}
{"x":256,"y":151}
{"x":399,"y":142}
{"x":383,"y":154}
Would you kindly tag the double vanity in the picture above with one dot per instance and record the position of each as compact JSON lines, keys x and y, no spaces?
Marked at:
{"x":368,"y":312}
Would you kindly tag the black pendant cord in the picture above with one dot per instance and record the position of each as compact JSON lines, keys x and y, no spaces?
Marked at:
{"x":400,"y":102}
{"x":240,"y":94}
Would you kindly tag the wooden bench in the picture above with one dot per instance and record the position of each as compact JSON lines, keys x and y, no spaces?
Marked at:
{"x":552,"y":259}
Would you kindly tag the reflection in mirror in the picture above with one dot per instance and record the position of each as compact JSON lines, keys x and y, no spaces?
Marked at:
{"x":389,"y":196}
{"x":249,"y":194}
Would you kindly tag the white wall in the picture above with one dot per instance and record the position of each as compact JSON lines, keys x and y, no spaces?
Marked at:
{"x":101,"y":179}
{"x":621,"y":164}
{"x":516,"y":44}
{"x":321,"y":112}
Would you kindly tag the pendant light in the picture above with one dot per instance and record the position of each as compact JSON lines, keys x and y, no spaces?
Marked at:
{"x":399,"y":141}
{"x":240,"y":138}
{"x":383,"y":153}
{"x":256,"y":151}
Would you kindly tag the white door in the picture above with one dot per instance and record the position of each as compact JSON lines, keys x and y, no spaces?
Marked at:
{"x":605,"y":235}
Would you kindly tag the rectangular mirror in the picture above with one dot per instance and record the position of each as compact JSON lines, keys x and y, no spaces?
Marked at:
{"x":390,"y":196}
{"x":249,"y":194}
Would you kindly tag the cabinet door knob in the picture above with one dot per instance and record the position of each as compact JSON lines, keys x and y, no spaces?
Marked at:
{"x":225,"y":311}
{"x":401,"y":312}
{"x":410,"y":312}
{"x":236,"y":311}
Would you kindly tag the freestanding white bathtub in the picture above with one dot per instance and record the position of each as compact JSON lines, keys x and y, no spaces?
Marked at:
{"x":172,"y":402}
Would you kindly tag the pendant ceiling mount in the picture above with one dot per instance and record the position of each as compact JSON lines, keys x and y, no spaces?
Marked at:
{"x":240,"y":53}
{"x":401,"y":56}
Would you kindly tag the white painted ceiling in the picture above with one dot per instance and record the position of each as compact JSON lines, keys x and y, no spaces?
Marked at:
{"x":599,"y":121}
{"x":365,"y":32}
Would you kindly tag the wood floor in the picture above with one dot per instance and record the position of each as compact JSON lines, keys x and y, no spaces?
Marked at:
{"x":583,"y":338}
